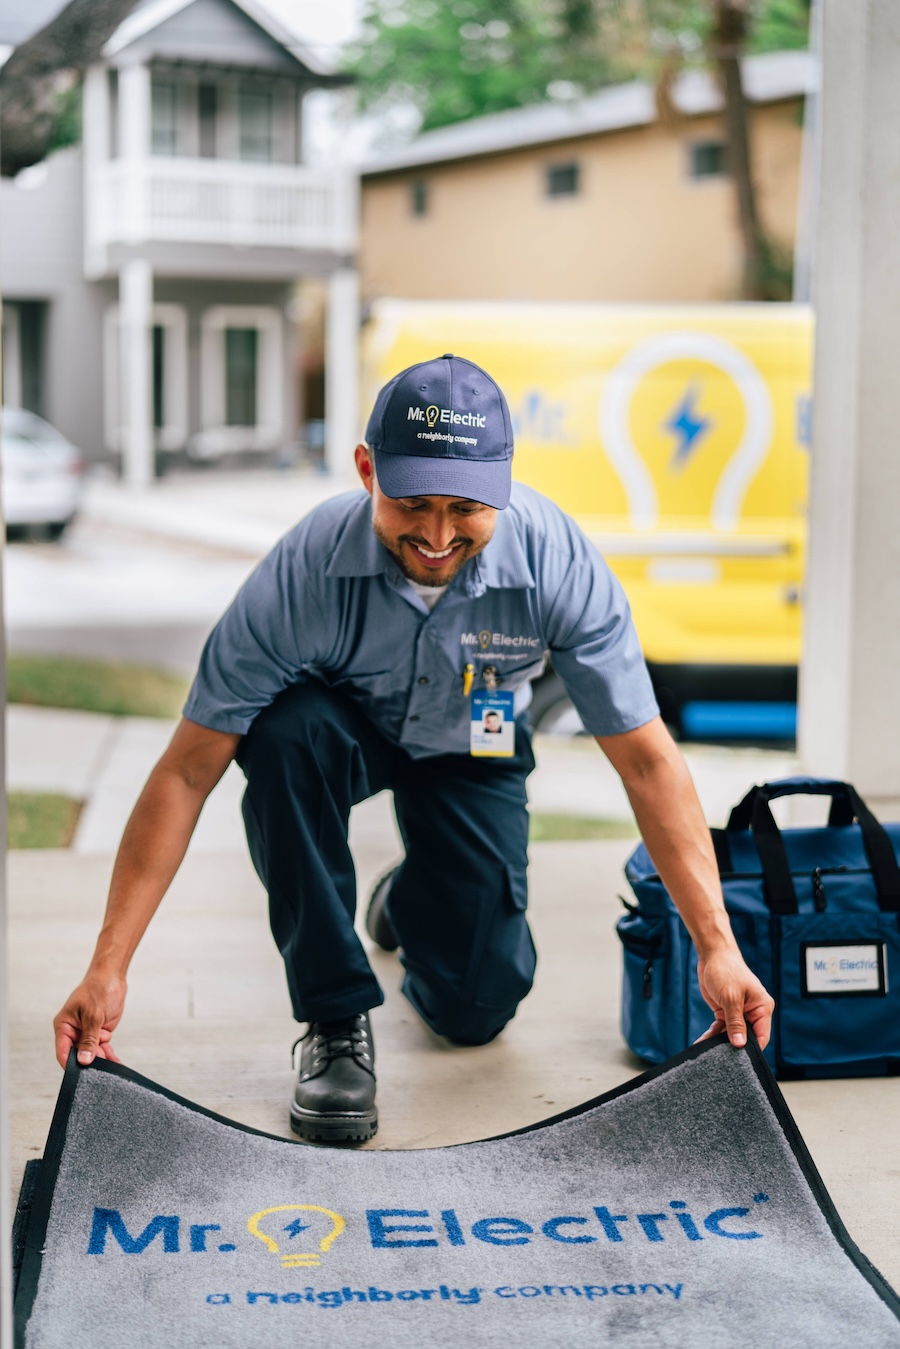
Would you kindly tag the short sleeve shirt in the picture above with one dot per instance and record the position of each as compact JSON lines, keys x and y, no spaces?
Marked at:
{"x":330,"y":601}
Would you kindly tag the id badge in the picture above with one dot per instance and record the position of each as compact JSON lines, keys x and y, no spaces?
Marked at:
{"x":493,"y":729}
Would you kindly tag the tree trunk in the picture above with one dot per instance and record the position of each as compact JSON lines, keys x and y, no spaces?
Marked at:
{"x":731,"y":19}
{"x":41,"y":72}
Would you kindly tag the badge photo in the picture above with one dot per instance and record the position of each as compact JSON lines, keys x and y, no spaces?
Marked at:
{"x":493,"y":726}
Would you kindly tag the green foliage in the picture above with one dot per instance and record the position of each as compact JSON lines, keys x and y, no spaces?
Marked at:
{"x":464,"y":58}
{"x":66,"y":129}
{"x":42,"y":820}
{"x":780,"y":25}
{"x":94,"y":686}
{"x":549,"y":828}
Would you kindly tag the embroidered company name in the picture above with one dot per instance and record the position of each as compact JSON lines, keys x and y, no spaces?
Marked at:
{"x":446,"y":416}
{"x":496,"y":639}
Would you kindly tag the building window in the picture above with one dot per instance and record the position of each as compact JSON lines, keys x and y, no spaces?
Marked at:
{"x":207,"y":111}
{"x":708,"y":159}
{"x":242,"y":380}
{"x":241,"y":355}
{"x":418,"y":193}
{"x":169,"y":375}
{"x":164,"y":117}
{"x":562,"y":180}
{"x":255,"y":119}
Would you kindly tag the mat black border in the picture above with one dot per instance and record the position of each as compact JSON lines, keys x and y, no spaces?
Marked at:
{"x":43,"y":1197}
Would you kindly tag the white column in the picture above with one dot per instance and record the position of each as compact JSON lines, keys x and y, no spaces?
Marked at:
{"x":95,"y":136}
{"x":135,"y":365}
{"x":849,"y":685}
{"x":134,"y":148}
{"x":342,"y":429}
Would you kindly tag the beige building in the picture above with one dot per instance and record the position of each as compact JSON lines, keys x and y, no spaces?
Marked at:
{"x":593,"y":200}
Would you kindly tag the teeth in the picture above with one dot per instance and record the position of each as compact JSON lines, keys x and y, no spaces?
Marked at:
{"x":426,"y":552}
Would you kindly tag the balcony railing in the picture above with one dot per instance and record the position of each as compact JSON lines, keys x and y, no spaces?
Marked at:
{"x":200,"y":201}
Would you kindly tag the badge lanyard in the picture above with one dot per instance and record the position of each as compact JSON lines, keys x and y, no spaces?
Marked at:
{"x":492,"y":729}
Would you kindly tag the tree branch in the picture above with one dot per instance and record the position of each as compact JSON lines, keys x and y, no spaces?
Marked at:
{"x":37,"y":80}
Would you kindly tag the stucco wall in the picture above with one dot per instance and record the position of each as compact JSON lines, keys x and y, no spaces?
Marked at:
{"x":639,"y":229}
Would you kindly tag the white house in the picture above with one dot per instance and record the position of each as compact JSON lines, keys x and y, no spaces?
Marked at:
{"x":148,"y":274}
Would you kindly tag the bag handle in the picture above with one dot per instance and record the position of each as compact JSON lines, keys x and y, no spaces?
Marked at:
{"x":841,"y":812}
{"x":780,"y":893}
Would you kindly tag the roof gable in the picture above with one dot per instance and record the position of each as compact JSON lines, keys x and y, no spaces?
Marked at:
{"x":227,"y":32}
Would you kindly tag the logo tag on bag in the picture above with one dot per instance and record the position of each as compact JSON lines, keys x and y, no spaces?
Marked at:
{"x":842,"y":969}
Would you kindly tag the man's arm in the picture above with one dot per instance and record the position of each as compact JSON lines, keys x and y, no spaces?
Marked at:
{"x":153,"y":845}
{"x":665,"y":805}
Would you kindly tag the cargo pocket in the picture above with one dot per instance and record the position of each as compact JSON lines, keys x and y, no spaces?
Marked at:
{"x":508,"y":958}
{"x":643,"y":993}
{"x":836,"y":971}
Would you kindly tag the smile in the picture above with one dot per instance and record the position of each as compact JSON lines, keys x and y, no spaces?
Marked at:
{"x":436,"y":557}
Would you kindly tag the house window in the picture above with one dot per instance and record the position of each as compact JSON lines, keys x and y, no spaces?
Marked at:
{"x":562,"y":180}
{"x":241,"y":360}
{"x":207,"y":110}
{"x":169,"y":375}
{"x":255,"y":119}
{"x":159,"y":376}
{"x":242,"y":380}
{"x":418,"y":193}
{"x":708,"y":159}
{"x":164,"y":117}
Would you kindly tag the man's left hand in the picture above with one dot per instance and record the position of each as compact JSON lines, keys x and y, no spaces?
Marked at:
{"x":736,"y":996}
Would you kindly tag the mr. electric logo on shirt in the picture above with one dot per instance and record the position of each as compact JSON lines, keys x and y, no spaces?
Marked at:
{"x":486,"y":639}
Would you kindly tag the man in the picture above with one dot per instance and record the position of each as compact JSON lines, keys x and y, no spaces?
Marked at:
{"x":361,"y":655}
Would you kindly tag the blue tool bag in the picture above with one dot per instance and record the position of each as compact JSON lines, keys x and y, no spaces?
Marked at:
{"x":816,"y":913}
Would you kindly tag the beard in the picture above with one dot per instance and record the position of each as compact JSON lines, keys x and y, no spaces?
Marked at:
{"x":422,"y":575}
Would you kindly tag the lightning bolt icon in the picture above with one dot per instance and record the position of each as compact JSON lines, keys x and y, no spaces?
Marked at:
{"x":688,"y":426}
{"x":294,"y":1228}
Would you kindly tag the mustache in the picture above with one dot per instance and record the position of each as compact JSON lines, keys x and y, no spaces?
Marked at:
{"x":423,"y":543}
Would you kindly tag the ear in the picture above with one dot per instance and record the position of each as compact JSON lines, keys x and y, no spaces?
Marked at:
{"x":364,"y":466}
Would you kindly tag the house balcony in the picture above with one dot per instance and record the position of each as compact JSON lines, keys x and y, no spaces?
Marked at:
{"x":206,"y":215}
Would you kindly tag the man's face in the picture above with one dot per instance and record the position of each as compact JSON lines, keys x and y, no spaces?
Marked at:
{"x":431,"y":537}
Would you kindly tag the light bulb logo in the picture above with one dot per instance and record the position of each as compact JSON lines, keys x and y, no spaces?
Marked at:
{"x":296,"y":1259}
{"x":698,"y":362}
{"x":484,"y":639}
{"x":431,"y":416}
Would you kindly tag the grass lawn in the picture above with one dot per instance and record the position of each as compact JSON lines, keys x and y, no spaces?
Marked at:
{"x":94,"y":686}
{"x":42,"y":820}
{"x":547,"y":828}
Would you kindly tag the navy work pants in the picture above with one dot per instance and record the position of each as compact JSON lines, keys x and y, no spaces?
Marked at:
{"x":458,"y":902}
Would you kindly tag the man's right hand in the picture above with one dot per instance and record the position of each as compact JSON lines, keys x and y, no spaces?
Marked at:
{"x":88,"y":1019}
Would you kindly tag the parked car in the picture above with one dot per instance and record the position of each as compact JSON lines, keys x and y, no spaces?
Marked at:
{"x":42,"y":475}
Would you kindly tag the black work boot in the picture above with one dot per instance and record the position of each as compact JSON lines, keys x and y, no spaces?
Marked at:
{"x":378,"y":924}
{"x":334,"y":1100}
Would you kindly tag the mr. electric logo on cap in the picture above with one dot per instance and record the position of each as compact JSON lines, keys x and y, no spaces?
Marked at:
{"x":447,"y":416}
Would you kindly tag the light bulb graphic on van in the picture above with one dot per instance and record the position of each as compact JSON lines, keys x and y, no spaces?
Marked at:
{"x":656,"y":439}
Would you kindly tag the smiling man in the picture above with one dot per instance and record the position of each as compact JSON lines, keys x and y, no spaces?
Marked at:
{"x":375,"y":648}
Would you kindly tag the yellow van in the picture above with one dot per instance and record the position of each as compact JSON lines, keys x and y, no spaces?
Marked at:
{"x":678,"y":437}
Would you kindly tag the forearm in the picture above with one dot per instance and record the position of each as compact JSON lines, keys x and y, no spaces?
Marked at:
{"x":671,"y":822}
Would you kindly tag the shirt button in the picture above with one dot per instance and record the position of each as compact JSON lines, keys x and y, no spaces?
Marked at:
{"x":414,"y":717}
{"x":423,"y":679}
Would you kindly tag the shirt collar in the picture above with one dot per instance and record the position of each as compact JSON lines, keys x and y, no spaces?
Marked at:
{"x":503,"y":565}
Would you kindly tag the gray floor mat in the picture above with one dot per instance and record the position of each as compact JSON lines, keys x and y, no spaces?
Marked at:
{"x":680,"y":1209}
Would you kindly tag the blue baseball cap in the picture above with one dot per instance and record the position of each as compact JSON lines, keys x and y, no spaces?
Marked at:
{"x":442,"y":428}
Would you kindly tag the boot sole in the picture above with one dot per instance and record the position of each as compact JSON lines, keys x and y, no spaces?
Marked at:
{"x":351,"y":1127}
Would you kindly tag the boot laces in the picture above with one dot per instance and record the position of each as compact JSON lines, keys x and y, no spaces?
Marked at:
{"x":331,"y":1040}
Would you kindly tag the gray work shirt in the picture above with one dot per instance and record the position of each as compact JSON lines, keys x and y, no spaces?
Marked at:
{"x":331,"y":601}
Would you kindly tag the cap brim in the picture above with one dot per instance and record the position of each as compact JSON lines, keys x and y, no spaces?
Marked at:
{"x":402,"y":475}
